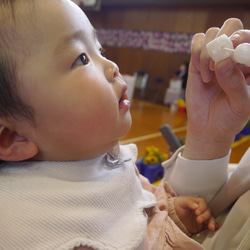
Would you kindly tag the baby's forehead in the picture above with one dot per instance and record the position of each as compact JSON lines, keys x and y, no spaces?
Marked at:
{"x":14,"y":23}
{"x":42,"y":23}
{"x":16,"y":17}
{"x":14,"y":12}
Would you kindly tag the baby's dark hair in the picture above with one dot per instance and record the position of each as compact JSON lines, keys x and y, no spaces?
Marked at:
{"x":11,"y":105}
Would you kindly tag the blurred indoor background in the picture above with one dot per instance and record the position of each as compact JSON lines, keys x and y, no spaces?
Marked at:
{"x":153,"y":37}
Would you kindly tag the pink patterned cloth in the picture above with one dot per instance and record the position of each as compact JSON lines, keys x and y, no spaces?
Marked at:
{"x":165,"y":230}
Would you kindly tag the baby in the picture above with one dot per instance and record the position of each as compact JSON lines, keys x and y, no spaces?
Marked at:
{"x":66,"y":183}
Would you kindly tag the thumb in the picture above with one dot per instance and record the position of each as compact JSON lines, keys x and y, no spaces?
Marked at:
{"x":233,"y":82}
{"x":188,"y":203}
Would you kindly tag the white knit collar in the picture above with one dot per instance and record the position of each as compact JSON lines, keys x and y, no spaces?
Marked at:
{"x":80,"y":170}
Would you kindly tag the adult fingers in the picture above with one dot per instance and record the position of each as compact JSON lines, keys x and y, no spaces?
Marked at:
{"x":240,"y":36}
{"x":233,"y":82}
{"x":196,"y":47}
{"x":206,"y":64}
{"x":230,"y":26}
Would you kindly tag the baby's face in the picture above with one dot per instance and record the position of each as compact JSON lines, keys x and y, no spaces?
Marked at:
{"x":78,"y":96}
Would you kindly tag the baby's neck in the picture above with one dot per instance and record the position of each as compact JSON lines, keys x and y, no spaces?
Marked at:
{"x":116,"y":149}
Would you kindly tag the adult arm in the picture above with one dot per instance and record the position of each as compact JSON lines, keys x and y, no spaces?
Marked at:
{"x":218,"y":96}
{"x":218,"y":99}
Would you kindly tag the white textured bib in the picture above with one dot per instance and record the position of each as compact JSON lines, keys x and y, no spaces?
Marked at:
{"x":62,"y":205}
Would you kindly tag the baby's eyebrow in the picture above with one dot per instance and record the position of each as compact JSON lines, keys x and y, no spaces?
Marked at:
{"x":67,"y":41}
{"x":95,"y":36}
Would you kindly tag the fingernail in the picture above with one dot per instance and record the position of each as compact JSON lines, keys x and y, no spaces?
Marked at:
{"x":195,"y":205}
{"x":235,"y":37}
{"x":225,"y":67}
{"x":206,"y":77}
{"x":198,"y":212}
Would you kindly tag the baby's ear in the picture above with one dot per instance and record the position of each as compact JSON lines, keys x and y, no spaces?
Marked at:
{"x":14,"y":147}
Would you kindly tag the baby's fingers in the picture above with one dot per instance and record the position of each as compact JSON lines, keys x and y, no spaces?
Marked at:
{"x":212,"y":224}
{"x":204,"y":217}
{"x":207,"y":219}
{"x":202,"y":206}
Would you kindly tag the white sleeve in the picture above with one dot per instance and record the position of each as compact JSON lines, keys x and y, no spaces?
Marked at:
{"x":197,"y":178}
{"x":236,"y":186}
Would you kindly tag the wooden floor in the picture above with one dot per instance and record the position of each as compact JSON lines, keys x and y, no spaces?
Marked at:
{"x":149,"y":117}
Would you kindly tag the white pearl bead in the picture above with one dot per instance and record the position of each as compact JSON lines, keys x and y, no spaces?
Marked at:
{"x":242,"y":54}
{"x":222,"y":48}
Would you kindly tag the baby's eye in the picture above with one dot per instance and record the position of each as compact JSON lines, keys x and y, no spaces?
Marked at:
{"x":81,"y":60}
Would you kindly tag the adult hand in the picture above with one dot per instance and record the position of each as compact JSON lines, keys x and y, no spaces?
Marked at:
{"x":218,"y":96}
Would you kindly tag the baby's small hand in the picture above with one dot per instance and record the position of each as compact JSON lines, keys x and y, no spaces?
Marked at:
{"x":195,"y":214}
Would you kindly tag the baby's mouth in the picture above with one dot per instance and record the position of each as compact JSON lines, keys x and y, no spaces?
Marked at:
{"x":124,"y":102}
